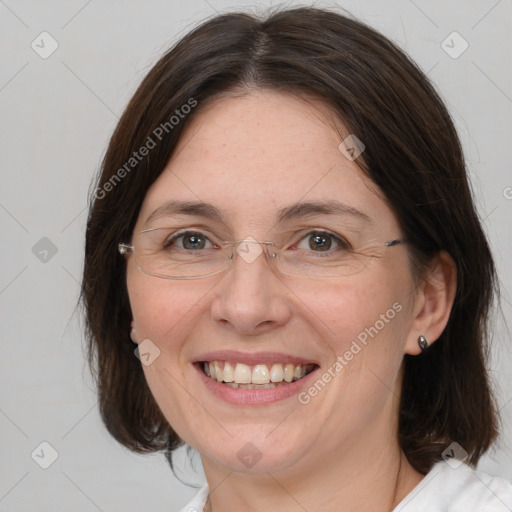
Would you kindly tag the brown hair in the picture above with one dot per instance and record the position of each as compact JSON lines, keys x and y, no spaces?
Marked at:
{"x":412,"y":153}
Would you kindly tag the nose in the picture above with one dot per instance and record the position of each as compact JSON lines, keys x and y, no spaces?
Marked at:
{"x":251,"y":298}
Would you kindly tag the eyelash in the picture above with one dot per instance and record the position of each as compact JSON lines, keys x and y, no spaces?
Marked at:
{"x":340,"y":241}
{"x":171,"y":241}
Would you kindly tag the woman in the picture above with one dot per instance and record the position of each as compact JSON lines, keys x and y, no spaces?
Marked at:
{"x":275,"y":229}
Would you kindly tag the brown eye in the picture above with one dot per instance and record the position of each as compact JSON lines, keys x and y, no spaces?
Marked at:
{"x":320,"y":241}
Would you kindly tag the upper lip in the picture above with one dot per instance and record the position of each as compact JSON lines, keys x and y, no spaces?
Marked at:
{"x":253,"y":358}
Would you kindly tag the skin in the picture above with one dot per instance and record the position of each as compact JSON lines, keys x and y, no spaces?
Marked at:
{"x":250,"y":155}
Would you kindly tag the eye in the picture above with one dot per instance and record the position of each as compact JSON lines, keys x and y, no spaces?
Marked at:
{"x":189,"y":241}
{"x":322,"y":241}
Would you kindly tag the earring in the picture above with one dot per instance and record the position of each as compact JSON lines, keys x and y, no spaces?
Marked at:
{"x":423,"y":343}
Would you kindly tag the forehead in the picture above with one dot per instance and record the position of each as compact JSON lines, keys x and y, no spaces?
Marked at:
{"x":252,"y":155}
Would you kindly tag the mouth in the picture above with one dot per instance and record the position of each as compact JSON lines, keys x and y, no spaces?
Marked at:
{"x":259,"y":376}
{"x":253,"y":379}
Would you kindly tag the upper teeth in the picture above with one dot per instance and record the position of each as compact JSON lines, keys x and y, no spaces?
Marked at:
{"x":239,"y":373}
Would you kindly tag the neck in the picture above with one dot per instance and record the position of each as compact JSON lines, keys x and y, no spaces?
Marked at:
{"x":361,"y":478}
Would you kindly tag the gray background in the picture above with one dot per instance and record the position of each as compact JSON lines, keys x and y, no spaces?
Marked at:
{"x":57,"y":115}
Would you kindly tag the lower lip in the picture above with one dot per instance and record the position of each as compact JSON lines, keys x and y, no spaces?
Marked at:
{"x":254,"y":396}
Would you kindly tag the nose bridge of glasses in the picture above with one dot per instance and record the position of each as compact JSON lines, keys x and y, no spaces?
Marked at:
{"x":249,"y":249}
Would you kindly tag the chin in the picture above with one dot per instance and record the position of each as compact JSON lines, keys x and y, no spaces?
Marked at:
{"x":255,"y":451}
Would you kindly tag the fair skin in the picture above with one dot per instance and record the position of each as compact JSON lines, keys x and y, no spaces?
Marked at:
{"x":250,"y":156}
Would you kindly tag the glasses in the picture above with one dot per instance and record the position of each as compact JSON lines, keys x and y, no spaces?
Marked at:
{"x":190,"y":254}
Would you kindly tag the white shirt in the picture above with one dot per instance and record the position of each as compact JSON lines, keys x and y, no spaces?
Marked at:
{"x":444,"y":489}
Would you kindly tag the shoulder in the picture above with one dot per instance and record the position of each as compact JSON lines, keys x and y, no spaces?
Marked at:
{"x":198,"y":502}
{"x":444,"y":489}
{"x":458,"y":488}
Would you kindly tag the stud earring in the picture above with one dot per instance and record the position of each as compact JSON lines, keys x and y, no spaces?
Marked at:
{"x":423,"y":343}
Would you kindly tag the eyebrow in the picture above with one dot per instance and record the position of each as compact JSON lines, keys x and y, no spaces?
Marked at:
{"x":195,"y":208}
{"x":309,"y":209}
{"x":292,"y":212}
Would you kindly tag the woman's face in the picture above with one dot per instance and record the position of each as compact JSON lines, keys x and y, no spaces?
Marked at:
{"x":267,"y":166}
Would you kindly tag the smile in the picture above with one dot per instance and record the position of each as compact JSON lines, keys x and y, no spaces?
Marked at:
{"x":257,"y":376}
{"x":254,"y":379}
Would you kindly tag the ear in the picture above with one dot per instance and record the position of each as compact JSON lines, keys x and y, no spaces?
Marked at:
{"x":433,"y":302}
{"x":133,"y":332}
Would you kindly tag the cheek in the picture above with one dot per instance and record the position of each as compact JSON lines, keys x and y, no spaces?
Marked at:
{"x":363,"y":321}
{"x":161,"y":308}
{"x":165,"y":312}
{"x":357,"y":308}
